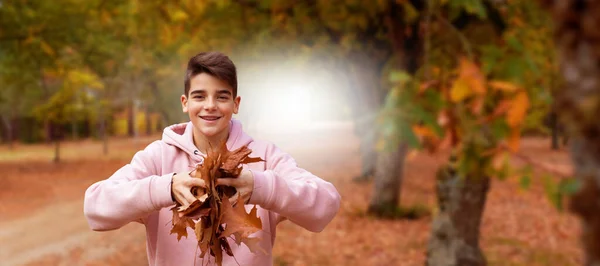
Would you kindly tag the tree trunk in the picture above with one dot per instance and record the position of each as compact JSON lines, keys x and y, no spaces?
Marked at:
{"x":388,"y":182}
{"x":47,"y":131}
{"x":408,"y":47}
{"x":74,"y":133}
{"x":368,"y":136}
{"x":56,"y":151}
{"x":56,"y":134}
{"x":578,"y":104}
{"x":131,"y":119}
{"x":148,"y":123}
{"x":164,"y":115}
{"x":366,"y":96}
{"x":554,"y":127}
{"x":102,"y":130}
{"x":9,"y":130}
{"x":454,"y":239}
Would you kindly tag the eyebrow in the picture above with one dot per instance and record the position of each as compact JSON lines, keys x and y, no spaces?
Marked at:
{"x":202,"y":91}
{"x":228,"y":92}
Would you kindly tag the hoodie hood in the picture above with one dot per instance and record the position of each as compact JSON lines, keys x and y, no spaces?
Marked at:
{"x":181,"y":136}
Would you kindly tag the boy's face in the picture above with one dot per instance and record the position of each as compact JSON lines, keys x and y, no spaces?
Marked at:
{"x":210,"y":105}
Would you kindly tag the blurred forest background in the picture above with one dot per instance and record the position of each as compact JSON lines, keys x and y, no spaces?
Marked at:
{"x":426,"y":101}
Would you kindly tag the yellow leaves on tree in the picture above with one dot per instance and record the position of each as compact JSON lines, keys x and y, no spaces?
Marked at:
{"x":219,"y":216}
{"x":514,"y":118}
{"x":469,"y":82}
{"x":427,"y":137}
{"x":502,"y":86}
{"x":518,"y":109}
{"x":471,"y":97}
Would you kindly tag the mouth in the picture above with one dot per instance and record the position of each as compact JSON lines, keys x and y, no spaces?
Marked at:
{"x":210,"y":118}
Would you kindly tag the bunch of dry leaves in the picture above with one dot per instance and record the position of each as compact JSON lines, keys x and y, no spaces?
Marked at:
{"x":215,"y":215}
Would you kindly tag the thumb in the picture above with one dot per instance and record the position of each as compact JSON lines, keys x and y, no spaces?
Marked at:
{"x":197,"y":182}
{"x":226,"y":181}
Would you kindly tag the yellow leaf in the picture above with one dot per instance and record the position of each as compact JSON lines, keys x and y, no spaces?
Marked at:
{"x":514,"y":139}
{"x":518,"y":109}
{"x":46,"y":48}
{"x":502,"y":86}
{"x":179,"y":15}
{"x":423,"y":131}
{"x":427,"y":137}
{"x":459,"y":91}
{"x":471,"y":73}
{"x":166,"y":37}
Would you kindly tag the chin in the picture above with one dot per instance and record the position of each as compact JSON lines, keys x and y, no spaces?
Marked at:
{"x":208,"y":134}
{"x":211,"y":132}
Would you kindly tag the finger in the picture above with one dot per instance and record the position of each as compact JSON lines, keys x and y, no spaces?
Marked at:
{"x":192,"y":173}
{"x":234,"y":199}
{"x":190,"y":198}
{"x":185,"y":197}
{"x":197,"y":182}
{"x":181,"y":199}
{"x":245,"y":196}
{"x":226,"y":182}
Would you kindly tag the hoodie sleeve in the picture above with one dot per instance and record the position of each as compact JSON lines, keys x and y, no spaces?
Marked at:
{"x":130,"y":194}
{"x":294,"y":193}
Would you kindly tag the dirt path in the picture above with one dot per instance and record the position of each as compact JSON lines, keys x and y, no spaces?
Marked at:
{"x":55,"y":232}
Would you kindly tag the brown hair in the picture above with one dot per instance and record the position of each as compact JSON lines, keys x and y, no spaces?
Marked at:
{"x":215,"y":64}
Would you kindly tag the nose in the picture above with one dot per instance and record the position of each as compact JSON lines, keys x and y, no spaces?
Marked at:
{"x":210,"y":104}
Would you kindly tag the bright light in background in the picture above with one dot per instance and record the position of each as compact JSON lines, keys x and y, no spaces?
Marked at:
{"x":287,"y":97}
{"x":287,"y":109}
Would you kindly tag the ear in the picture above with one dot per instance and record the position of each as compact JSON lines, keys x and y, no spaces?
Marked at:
{"x":184,"y":101}
{"x":236,"y":103}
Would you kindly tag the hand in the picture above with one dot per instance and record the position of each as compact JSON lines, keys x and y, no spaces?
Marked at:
{"x":181,"y":189}
{"x":244,"y":184}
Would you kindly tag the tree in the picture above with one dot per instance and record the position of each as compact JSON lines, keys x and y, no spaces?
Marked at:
{"x":404,"y":28}
{"x":67,"y":102}
{"x":578,"y":103}
{"x":477,"y":105}
{"x":35,"y":36}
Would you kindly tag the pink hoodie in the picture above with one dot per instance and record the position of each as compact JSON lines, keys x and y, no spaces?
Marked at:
{"x":141,"y":191}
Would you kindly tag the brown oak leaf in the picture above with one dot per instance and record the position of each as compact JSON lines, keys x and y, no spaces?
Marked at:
{"x":237,"y":220}
{"x":180,"y":224}
{"x":218,"y":217}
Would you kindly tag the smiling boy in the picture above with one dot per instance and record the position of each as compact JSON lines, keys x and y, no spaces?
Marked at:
{"x":159,"y":175}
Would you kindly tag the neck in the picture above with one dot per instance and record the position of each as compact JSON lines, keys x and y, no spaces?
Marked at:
{"x":204,"y":143}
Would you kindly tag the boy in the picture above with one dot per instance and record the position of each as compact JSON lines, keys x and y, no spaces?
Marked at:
{"x":157,"y":177}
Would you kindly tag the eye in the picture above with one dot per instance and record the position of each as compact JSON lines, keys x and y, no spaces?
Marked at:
{"x":223,"y":97}
{"x":200,"y":97}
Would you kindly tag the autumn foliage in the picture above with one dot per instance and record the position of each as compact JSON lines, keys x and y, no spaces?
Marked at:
{"x":217,"y":213}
